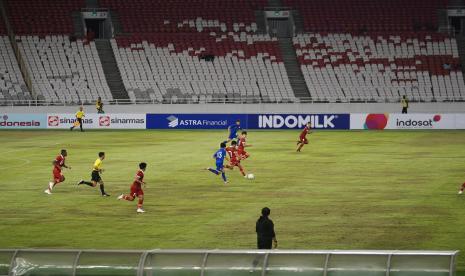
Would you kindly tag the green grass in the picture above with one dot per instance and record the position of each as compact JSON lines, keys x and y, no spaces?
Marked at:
{"x":346,"y":190}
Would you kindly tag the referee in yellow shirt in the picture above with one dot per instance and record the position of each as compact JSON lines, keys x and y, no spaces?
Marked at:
{"x":79,"y":115}
{"x":95,"y":176}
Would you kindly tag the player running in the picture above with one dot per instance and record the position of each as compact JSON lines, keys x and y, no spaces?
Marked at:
{"x":58,"y":177}
{"x":303,"y":136}
{"x":95,"y":175}
{"x":462,"y":188}
{"x":219,"y":156}
{"x":136,"y":189}
{"x":232,"y":130}
{"x":234,"y":159}
{"x":241,"y":145}
{"x":79,"y":115}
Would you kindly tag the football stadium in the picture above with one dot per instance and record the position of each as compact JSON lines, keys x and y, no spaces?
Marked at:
{"x":232,"y":137}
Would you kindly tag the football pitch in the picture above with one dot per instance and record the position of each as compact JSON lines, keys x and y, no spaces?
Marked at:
{"x":345,"y":190}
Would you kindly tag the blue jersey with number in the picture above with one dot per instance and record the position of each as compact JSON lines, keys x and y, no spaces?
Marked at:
{"x":233,"y":130}
{"x":219,"y":156}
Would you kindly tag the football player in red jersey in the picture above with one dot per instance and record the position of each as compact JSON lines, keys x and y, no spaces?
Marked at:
{"x":136,"y":188}
{"x":303,"y":136}
{"x":234,"y":159}
{"x":58,"y":177}
{"x":241,"y":145}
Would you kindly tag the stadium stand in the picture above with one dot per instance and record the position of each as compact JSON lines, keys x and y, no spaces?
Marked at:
{"x":166,"y":68}
{"x":158,"y":16}
{"x":62,"y":69}
{"x":349,"y":16}
{"x":207,"y":51}
{"x":211,"y":51}
{"x":12,"y":86}
{"x":42,"y":17}
{"x":361,"y":50}
{"x":380,"y":67}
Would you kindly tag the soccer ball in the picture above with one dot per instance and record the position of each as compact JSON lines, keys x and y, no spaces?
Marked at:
{"x":250,"y":176}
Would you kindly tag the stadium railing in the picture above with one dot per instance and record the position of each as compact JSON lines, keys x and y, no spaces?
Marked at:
{"x":5,"y":102}
{"x":226,"y":262}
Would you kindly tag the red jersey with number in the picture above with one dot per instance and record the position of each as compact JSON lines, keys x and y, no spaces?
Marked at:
{"x":59,"y":162}
{"x":140,"y":177}
{"x":304,"y":132}
{"x":241,"y":144}
{"x":232,"y":152}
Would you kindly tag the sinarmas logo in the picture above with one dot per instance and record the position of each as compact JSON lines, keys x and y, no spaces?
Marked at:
{"x":104,"y":121}
{"x":173,"y":121}
{"x":53,"y":120}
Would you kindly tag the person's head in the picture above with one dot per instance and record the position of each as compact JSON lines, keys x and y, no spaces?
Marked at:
{"x":233,"y":143}
{"x":309,"y":125}
{"x":64,"y":153}
{"x":101,"y":155}
{"x":99,"y":99}
{"x":142,"y":166}
{"x":244,"y":133}
{"x":223,"y":145}
{"x":238,"y":122}
{"x":266,"y":212}
{"x":81,"y":108}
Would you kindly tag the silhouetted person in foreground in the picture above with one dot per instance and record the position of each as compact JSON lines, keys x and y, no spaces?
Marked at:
{"x":265,"y":231}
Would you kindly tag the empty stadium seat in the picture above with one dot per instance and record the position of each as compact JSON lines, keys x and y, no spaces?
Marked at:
{"x":169,"y":67}
{"x":379,"y":66}
{"x":159,"y":16}
{"x":12,"y":86}
{"x":42,"y":17}
{"x":64,"y":70}
{"x":367,"y":15}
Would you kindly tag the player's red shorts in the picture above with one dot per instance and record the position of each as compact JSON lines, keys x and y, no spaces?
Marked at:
{"x":136,"y":191}
{"x":234,"y":162}
{"x":57,"y":176}
{"x":242,"y":153}
{"x":303,"y":139}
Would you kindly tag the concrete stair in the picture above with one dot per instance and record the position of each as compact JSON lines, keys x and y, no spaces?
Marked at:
{"x":298,"y":22}
{"x":92,"y":4}
{"x":116,"y":22}
{"x":261,"y":22}
{"x":292,"y":66}
{"x":275,"y":3}
{"x":110,"y":68}
{"x":461,"y":48}
{"x":78,"y":24}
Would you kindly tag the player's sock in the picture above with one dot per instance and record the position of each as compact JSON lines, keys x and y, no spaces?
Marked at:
{"x":86,"y":182}
{"x":223,"y":175}
{"x":102,"y":189}
{"x":139,"y":204}
{"x":128,"y":198}
{"x":300,"y":147}
{"x":213,"y":171}
{"x":463,"y":187}
{"x":242,"y":171}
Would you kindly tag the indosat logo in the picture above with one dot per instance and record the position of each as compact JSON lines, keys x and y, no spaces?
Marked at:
{"x":418,"y":123}
{"x":380,"y":121}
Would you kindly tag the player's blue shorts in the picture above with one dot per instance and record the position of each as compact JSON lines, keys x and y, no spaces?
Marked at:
{"x":219,"y":166}
{"x":232,"y":136}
